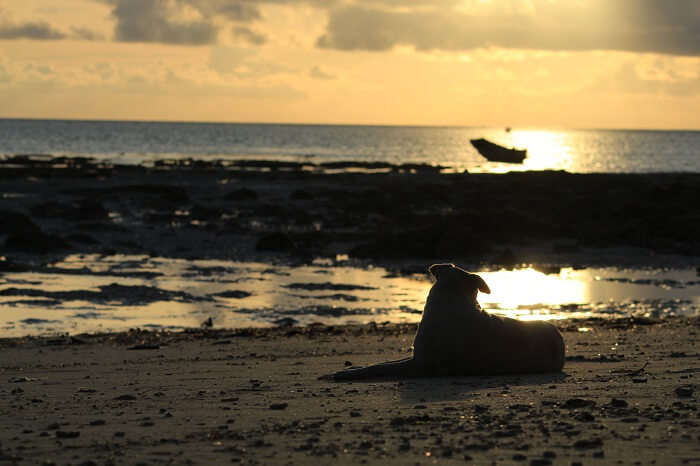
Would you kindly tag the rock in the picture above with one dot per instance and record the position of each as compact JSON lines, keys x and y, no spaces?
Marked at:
{"x":684,"y":391}
{"x":279,"y":406}
{"x":126,"y":397}
{"x":14,"y":223}
{"x":36,"y":241}
{"x":618,"y":403}
{"x":236,"y":294}
{"x":575,"y":403}
{"x":584,"y":417}
{"x":8,"y":265}
{"x":285,"y":322}
{"x":242,"y":194}
{"x":588,"y":443}
{"x":144,"y":346}
{"x":301,"y":195}
{"x":275,"y":242}
{"x":67,"y":434}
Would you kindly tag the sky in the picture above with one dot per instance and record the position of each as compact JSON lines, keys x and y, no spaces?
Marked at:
{"x":519,"y":63}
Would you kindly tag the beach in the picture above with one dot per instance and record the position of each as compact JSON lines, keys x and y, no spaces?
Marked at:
{"x":628,"y":393}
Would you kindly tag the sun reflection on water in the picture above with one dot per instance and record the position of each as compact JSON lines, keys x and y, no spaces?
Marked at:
{"x":545,"y":149}
{"x":177,"y":293}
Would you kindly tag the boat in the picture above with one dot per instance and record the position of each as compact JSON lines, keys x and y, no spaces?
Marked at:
{"x":495,"y":153}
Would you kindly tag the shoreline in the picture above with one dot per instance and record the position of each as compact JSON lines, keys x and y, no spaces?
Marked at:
{"x":403,"y":218}
{"x":628,"y":393}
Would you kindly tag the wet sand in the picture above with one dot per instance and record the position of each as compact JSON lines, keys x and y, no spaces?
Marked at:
{"x":628,"y":395}
{"x":628,"y":392}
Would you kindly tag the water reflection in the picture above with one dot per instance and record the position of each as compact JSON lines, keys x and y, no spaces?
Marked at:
{"x":94,"y":293}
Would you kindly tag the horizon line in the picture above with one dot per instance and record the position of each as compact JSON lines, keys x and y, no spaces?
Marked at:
{"x":385,"y":125}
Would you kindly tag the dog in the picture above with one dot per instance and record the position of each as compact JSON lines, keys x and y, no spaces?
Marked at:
{"x":456,"y":337}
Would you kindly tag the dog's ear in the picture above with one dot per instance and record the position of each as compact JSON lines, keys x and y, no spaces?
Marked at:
{"x":479,"y":283}
{"x":439,"y":269}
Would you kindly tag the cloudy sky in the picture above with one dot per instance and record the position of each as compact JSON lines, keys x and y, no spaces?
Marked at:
{"x":546,"y":63}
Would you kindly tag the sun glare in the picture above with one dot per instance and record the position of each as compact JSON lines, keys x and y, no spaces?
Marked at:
{"x":519,"y":290}
{"x":545,"y":149}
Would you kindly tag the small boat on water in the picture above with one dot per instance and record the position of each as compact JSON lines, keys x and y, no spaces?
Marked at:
{"x":496,"y":153}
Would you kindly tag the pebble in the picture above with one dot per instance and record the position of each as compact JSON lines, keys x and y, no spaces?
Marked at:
{"x":279,"y":406}
{"x":67,"y":434}
{"x":575,"y":403}
{"x":588,"y":443}
{"x":684,"y":391}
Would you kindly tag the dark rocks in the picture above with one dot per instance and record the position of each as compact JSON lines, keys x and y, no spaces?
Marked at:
{"x":65,"y":434}
{"x":684,"y":391}
{"x":144,"y":346}
{"x":155,"y":192}
{"x":8,"y":265}
{"x":618,"y":403}
{"x":25,"y":235}
{"x":584,"y":417}
{"x":286,"y":322}
{"x":235,"y":294}
{"x":576,"y":403}
{"x":279,"y":242}
{"x":36,"y":242}
{"x":588,"y":443}
{"x":127,"y":397}
{"x":83,"y":210}
{"x":279,"y":406}
{"x":241,"y":194}
{"x":16,"y":223}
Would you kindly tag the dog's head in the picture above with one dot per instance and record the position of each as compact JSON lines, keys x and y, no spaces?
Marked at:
{"x":451,"y":276}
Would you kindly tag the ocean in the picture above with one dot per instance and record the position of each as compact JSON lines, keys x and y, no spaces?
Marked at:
{"x":576,"y":151}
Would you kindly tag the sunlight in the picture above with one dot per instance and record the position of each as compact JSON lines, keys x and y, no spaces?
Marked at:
{"x":511,"y":289}
{"x":545,"y":149}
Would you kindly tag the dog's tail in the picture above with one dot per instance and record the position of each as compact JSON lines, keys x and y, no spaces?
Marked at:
{"x":402,"y":368}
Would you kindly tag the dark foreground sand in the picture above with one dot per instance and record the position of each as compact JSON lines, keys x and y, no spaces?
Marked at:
{"x":628,"y":395}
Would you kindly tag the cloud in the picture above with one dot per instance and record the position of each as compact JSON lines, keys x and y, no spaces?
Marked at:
{"x":658,"y":77}
{"x":160,"y":21}
{"x":656,"y":26}
{"x":318,"y":73}
{"x":192,"y":22}
{"x":80,"y":33}
{"x":244,"y":63}
{"x":248,"y":35}
{"x":30,"y":30}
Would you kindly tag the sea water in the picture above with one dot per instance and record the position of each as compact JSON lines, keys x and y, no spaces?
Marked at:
{"x":92,"y":293}
{"x":576,"y":151}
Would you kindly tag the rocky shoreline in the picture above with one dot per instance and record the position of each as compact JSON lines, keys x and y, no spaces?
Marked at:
{"x":394,"y":215}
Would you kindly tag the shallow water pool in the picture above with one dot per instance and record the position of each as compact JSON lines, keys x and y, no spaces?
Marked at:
{"x":90,"y":293}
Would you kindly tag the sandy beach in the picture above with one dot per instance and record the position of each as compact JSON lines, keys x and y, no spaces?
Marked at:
{"x":628,"y":393}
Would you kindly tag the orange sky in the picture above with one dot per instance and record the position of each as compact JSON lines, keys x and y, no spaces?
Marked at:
{"x":550,"y":63}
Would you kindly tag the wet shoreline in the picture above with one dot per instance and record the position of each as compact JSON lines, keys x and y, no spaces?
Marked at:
{"x":78,"y":213}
